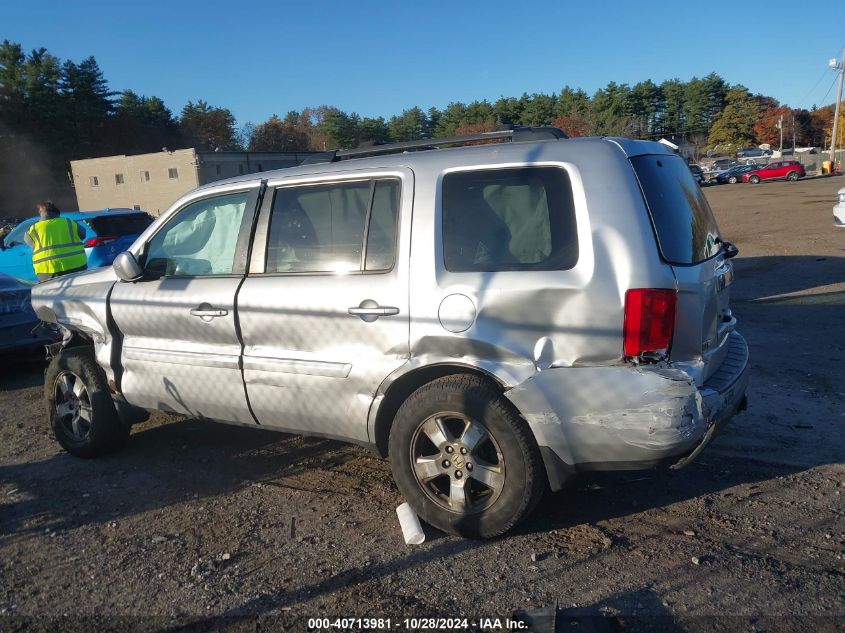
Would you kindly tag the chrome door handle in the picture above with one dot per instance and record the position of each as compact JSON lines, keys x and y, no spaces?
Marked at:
{"x":370,"y":310}
{"x":205,"y":311}
{"x":380,"y":311}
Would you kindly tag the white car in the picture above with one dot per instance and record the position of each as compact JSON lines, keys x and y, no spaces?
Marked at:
{"x":839,"y":209}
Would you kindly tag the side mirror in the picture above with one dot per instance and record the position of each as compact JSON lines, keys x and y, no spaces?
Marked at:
{"x":730,"y":249}
{"x":127,"y":267}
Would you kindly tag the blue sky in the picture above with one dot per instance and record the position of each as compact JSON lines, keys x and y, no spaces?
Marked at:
{"x":377,"y":58}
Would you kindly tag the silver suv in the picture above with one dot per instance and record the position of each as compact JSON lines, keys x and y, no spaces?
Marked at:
{"x":493,"y":318}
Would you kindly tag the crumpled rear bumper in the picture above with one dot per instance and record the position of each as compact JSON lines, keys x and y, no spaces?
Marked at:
{"x":624,"y":417}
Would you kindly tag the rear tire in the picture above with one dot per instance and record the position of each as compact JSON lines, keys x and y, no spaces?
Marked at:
{"x":792,"y":176}
{"x":732,"y":180}
{"x":754,"y":180}
{"x":80,"y":409}
{"x":464,"y":459}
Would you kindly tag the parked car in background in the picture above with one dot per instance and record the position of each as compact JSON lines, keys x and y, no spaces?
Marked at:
{"x":839,"y":209}
{"x":107,"y":233}
{"x":20,"y":329}
{"x":721,"y":164}
{"x":570,"y":312}
{"x":789,"y":170}
{"x":753,"y":152}
{"x":698,"y":173}
{"x":734,"y":174}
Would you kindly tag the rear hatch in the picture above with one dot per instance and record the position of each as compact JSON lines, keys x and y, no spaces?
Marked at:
{"x":689,"y":242}
{"x":116,"y":231}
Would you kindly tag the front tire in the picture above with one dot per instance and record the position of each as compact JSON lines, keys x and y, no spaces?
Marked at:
{"x":792,"y":176}
{"x":754,"y":180}
{"x":80,"y":409}
{"x":732,"y":180}
{"x":464,"y":459}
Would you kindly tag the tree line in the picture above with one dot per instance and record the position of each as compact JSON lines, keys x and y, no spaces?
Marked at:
{"x":53,"y":111}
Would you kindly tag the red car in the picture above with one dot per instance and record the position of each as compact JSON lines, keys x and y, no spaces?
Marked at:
{"x":789,"y":169}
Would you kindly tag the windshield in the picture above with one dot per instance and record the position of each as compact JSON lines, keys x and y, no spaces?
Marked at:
{"x":15,"y":236}
{"x":684,"y":223}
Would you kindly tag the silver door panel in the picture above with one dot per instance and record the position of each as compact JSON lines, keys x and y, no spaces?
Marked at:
{"x":310,"y":365}
{"x":196,"y":371}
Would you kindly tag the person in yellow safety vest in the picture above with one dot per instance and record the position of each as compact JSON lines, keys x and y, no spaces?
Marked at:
{"x":57,"y":244}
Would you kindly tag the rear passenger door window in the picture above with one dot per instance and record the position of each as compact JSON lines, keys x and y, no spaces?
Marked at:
{"x":509,"y":219}
{"x":334,"y":228}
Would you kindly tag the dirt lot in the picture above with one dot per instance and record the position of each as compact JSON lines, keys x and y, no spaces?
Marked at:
{"x":194,"y":521}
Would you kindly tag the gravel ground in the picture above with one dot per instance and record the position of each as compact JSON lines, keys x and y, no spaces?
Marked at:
{"x":210,"y":527}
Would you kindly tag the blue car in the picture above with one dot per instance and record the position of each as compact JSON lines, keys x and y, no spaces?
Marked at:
{"x":107,"y":233}
{"x":20,"y":329}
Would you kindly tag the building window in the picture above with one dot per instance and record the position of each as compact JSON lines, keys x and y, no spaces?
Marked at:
{"x":173,"y":173}
{"x":118,"y":179}
{"x":217,"y":168}
{"x":145,"y":176}
{"x":137,"y":207}
{"x":92,"y":180}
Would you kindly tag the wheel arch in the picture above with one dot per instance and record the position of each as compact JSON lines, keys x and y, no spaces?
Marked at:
{"x":397,"y":391}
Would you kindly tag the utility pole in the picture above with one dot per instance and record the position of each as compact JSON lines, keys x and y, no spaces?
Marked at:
{"x":780,"y":127}
{"x":793,"y":135}
{"x":840,"y":67}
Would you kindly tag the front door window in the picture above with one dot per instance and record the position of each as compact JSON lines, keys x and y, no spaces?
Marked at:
{"x":200,"y":240}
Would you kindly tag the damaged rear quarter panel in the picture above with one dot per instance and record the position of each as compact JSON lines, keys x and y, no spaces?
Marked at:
{"x":612,"y":414}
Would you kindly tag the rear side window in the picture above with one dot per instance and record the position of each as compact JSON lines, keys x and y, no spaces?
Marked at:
{"x":338,"y":227}
{"x":127,"y":224}
{"x":685,"y":226}
{"x":509,"y":219}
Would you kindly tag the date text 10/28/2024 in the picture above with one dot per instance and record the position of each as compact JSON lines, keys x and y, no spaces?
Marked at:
{"x":415,"y":624}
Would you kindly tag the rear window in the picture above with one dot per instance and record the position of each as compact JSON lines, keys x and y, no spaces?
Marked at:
{"x":509,"y":219}
{"x":685,"y":226}
{"x":127,"y":224}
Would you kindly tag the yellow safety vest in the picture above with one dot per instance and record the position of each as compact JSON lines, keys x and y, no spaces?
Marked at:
{"x":57,"y":246}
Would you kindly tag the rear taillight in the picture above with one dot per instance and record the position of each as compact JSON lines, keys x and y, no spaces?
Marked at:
{"x":649,"y":320}
{"x":91,"y":242}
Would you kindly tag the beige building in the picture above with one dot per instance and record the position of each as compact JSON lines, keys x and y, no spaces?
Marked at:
{"x":153,"y":182}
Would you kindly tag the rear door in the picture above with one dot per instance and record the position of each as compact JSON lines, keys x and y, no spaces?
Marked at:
{"x":324,"y":309}
{"x":689,"y":240}
{"x":180,"y":350}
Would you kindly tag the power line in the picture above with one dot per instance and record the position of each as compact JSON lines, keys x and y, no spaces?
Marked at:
{"x":803,"y":100}
{"x":829,"y":89}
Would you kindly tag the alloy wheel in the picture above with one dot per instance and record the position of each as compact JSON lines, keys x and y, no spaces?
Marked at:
{"x":457,"y":463}
{"x":73,"y":406}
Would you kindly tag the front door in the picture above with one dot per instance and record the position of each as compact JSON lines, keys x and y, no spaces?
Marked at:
{"x":324,"y":308}
{"x":180,"y":349}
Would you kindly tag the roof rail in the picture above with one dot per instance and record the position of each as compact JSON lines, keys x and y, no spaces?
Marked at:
{"x":515,"y":135}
